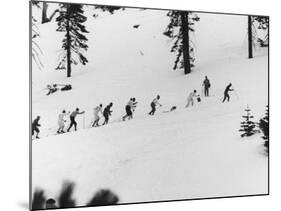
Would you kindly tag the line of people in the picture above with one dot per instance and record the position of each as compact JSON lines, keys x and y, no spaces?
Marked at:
{"x":129,"y":109}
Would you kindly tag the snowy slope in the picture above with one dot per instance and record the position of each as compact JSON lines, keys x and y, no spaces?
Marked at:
{"x":188,"y":153}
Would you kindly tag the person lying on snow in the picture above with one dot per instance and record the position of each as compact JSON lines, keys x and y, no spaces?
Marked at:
{"x":54,"y":87}
{"x":171,"y":109}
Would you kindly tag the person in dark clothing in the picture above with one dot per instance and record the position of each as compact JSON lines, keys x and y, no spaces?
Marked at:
{"x":206,"y":85}
{"x":106,"y":113}
{"x":153,"y":105}
{"x":35,"y":127}
{"x":226,"y":94}
{"x":72,"y":119}
{"x":52,"y":89}
{"x":130,"y":108}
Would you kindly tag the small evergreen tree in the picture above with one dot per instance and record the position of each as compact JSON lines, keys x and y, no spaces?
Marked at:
{"x":181,"y":24}
{"x":264,"y":127}
{"x":247,"y":126}
{"x":70,"y":21}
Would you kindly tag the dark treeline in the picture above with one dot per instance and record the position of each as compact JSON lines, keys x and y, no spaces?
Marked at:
{"x":65,"y":198}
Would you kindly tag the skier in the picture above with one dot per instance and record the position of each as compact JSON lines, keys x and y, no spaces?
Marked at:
{"x":61,"y":121}
{"x":206,"y":85}
{"x":134,"y":105}
{"x":153,"y":105}
{"x":106,"y":113}
{"x":130,"y":108}
{"x":190,"y":98}
{"x":226,"y":94}
{"x":35,"y":125}
{"x":97,"y":110}
{"x":72,"y":119}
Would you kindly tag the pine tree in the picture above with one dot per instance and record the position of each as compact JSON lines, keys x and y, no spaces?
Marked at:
{"x":70,"y":21}
{"x":179,"y":28}
{"x":247,"y":126}
{"x":264,"y":127}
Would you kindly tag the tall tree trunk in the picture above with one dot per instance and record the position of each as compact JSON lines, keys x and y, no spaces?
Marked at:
{"x":250,"y":37}
{"x":185,"y":42}
{"x":68,"y":47}
{"x":45,"y":18}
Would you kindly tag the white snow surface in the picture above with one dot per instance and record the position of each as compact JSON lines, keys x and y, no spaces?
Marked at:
{"x":189,"y":153}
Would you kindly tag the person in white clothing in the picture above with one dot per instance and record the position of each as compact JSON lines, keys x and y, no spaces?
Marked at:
{"x":190,"y":100}
{"x":97,"y":111}
{"x":61,"y":121}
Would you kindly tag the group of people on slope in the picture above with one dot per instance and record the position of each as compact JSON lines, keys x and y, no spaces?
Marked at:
{"x":98,"y":112}
{"x":129,"y":109}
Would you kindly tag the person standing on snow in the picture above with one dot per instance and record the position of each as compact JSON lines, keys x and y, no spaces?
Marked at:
{"x":226,"y":92}
{"x":97,"y":110}
{"x":130,"y":108}
{"x":61,"y":121}
{"x":35,"y":127}
{"x":206,"y":85}
{"x":106,"y":113}
{"x":72,"y":119}
{"x":153,"y":105}
{"x":190,"y":99}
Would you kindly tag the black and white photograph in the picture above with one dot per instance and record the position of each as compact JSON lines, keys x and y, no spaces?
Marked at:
{"x":137,"y":105}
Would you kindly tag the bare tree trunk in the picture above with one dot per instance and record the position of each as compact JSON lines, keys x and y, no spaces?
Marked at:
{"x":45,"y":19}
{"x":68,"y":47}
{"x":185,"y":46}
{"x":250,"y":37}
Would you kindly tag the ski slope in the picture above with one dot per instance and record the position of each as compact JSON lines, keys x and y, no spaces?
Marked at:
{"x":188,"y":153}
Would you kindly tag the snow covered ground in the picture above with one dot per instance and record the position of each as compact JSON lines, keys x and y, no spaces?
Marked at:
{"x":189,"y":153}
